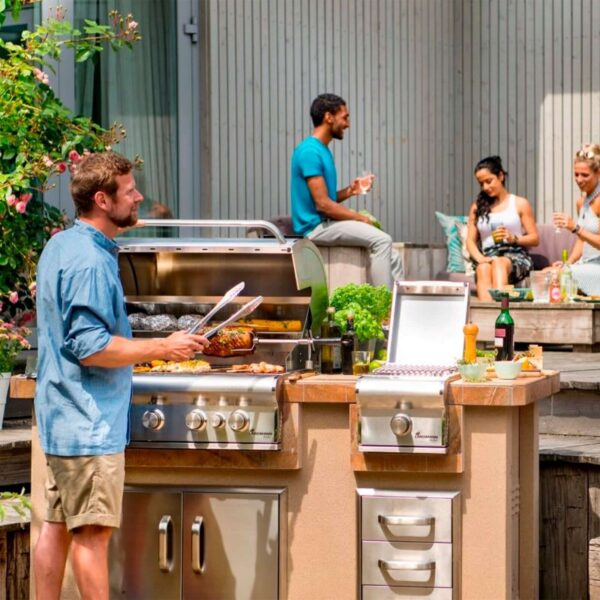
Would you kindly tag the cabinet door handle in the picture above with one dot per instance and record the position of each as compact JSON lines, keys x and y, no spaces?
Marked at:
{"x":165,"y":544}
{"x":406,"y":565}
{"x":198,"y":545}
{"x":405,"y":520}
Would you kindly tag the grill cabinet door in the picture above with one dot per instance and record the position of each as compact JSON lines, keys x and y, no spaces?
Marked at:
{"x":230,"y":545}
{"x":145,"y":553}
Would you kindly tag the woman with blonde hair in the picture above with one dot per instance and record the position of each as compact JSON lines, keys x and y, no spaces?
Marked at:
{"x":585,"y":255}
{"x":501,"y":228}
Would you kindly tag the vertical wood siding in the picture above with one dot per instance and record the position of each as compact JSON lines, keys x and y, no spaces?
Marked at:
{"x":432,"y":86}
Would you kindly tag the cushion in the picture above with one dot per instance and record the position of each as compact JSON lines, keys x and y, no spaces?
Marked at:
{"x":455,"y":230}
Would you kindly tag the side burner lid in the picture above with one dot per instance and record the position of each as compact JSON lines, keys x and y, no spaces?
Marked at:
{"x":427,"y":322}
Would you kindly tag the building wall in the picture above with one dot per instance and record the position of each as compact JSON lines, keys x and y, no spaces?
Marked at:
{"x":432,"y":87}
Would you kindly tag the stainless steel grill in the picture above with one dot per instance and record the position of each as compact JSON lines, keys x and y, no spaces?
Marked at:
{"x":180,"y":276}
{"x":402,"y":406}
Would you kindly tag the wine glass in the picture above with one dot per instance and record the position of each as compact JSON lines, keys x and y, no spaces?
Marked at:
{"x":365,"y":182}
{"x":555,"y":216}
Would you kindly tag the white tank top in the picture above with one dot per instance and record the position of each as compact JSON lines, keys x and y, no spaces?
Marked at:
{"x":509,"y":217}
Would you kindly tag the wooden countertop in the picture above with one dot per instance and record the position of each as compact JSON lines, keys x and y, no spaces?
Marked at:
{"x":339,"y":389}
{"x":494,"y":392}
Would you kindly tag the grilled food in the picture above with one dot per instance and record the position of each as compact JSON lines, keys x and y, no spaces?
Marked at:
{"x":261,"y":367}
{"x":229,"y":340}
{"x":273,"y":326}
{"x":171,"y":366}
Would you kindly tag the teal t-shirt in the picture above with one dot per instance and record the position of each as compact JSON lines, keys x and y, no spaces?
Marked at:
{"x":311,"y":158}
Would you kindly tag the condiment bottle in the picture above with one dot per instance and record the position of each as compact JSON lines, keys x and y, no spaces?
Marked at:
{"x":554,"y":295}
{"x":504,"y":333}
{"x":349,"y":344}
{"x":331,"y":353}
{"x":470,"y":330}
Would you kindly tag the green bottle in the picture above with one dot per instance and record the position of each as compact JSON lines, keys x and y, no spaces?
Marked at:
{"x":504,"y":333}
{"x":566,"y":277}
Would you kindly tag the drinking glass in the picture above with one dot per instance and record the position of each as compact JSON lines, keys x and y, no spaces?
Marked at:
{"x":494,"y":227}
{"x":573,"y":289}
{"x":365,"y":182}
{"x":557,"y":228}
{"x":360,"y":362}
{"x":540,"y":285}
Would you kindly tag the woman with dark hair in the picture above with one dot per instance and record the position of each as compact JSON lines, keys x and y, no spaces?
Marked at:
{"x":501,"y":227}
{"x":585,"y":256}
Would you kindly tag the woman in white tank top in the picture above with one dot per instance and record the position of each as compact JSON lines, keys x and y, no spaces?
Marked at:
{"x":501,"y":228}
{"x":585,"y":255}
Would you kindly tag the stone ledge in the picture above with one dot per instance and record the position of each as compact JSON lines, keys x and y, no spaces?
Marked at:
{"x":570,"y":448}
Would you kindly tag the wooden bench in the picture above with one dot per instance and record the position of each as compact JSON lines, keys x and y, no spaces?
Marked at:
{"x":576,"y":324}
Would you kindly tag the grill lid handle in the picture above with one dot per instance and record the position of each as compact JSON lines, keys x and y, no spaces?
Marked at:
{"x":214,"y":223}
{"x":404,"y":520}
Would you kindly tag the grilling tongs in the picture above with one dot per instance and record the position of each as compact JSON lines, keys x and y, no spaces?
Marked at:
{"x":226,"y":299}
{"x":243,"y":311}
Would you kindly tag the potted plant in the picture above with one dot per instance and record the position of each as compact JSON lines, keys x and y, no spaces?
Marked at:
{"x":370,"y":305}
{"x":12,"y":341}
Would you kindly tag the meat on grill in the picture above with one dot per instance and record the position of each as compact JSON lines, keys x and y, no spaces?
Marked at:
{"x":230,"y":339}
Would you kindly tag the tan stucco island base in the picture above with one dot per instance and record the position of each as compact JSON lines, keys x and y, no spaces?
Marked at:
{"x":492,"y":461}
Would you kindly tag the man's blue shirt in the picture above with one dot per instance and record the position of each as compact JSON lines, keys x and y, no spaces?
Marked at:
{"x":80,"y":306}
{"x":311,"y":158}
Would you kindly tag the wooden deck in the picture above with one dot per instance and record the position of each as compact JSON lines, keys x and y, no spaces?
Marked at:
{"x":576,"y":324}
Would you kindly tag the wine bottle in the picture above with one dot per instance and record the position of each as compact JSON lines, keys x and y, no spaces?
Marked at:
{"x":331,"y":353}
{"x":349,"y":344}
{"x":504,"y":333}
{"x":566,"y":277}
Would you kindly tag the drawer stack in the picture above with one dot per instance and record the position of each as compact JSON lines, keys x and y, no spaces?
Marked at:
{"x":409,"y":544}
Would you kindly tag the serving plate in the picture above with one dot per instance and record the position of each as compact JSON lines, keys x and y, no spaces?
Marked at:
{"x":590,"y":299}
{"x":514,"y":295}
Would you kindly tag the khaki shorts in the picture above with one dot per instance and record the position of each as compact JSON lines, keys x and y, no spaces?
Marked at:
{"x":85,"y":490}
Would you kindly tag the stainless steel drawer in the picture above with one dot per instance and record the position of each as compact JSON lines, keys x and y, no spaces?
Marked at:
{"x":378,"y":592}
{"x":407,"y":564}
{"x":404,"y":518}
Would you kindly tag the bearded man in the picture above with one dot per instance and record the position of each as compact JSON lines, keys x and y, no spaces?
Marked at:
{"x":84,"y":377}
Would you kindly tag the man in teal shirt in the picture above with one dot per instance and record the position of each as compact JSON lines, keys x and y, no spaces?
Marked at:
{"x":317,"y":212}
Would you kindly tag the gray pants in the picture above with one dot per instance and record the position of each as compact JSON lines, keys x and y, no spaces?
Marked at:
{"x":385,"y":262}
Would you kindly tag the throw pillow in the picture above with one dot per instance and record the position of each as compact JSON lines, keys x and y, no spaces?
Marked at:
{"x":455,"y":230}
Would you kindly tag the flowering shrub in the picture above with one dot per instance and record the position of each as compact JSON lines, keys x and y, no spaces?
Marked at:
{"x":40,"y":137}
{"x":12,"y":341}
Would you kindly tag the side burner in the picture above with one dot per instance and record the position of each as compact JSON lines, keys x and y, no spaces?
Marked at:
{"x":402,"y":406}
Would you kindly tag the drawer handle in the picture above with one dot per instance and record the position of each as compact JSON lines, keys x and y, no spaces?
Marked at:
{"x":198,"y":545}
{"x":405,"y":565}
{"x":400,"y":520}
{"x":165,"y":544}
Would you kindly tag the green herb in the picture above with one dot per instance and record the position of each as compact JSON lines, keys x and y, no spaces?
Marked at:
{"x":370,"y":305}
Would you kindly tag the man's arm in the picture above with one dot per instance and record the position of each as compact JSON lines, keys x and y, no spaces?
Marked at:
{"x":121,"y":352}
{"x":326,"y":206}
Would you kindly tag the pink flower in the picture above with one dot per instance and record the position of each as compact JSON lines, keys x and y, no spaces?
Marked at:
{"x":40,"y":76}
{"x":48,"y":161}
{"x":13,"y":297}
{"x":74,"y":156}
{"x":11,"y":199}
{"x":132,"y":25}
{"x":26,"y":197}
{"x":55,"y":231}
{"x":61,"y":167}
{"x":21,"y":207}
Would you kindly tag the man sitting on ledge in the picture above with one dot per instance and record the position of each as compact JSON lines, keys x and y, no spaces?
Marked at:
{"x":317,"y":212}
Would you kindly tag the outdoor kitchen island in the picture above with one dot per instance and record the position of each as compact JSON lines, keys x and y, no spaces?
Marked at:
{"x":480,"y":539}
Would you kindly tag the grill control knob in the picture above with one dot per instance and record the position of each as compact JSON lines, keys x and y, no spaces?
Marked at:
{"x":195,"y":420}
{"x":239,"y":420}
{"x":153,"y":419}
{"x":401,"y":424}
{"x":217,"y":421}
